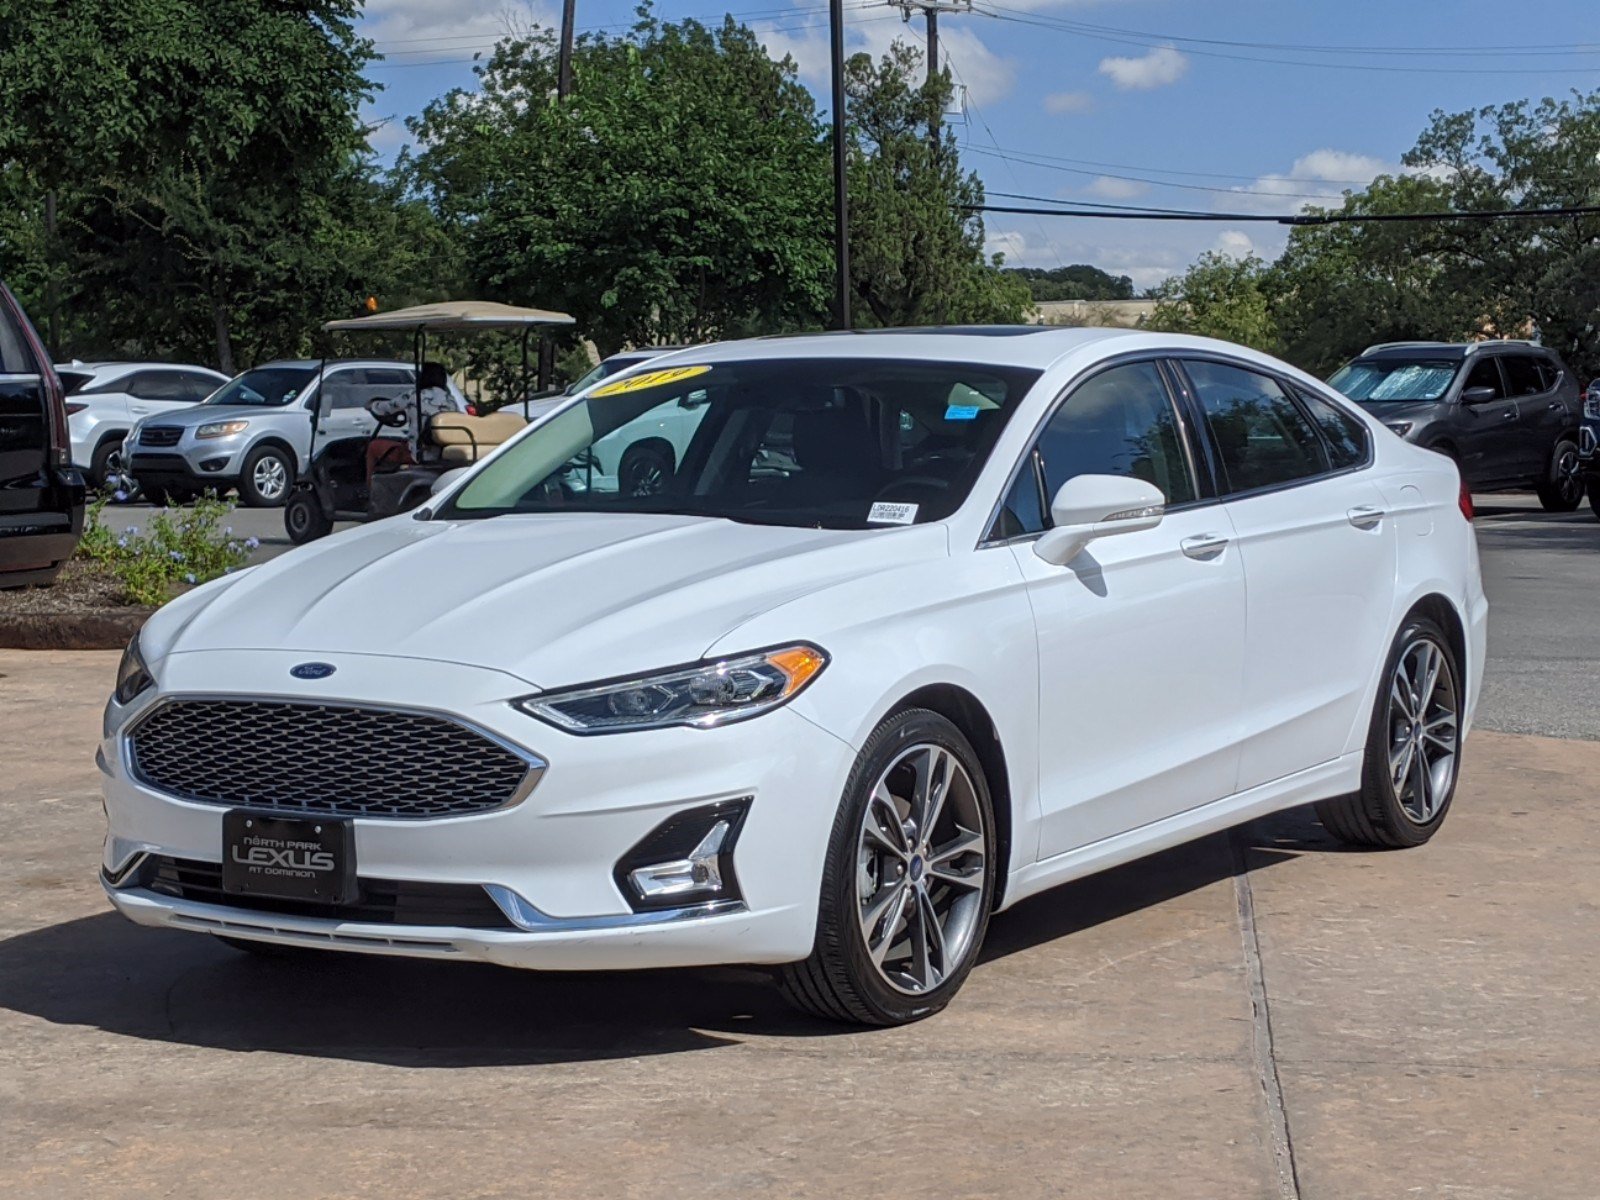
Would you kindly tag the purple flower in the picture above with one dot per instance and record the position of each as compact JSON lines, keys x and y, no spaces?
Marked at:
{"x":251,"y":543}
{"x":189,"y":578}
{"x":122,"y":542}
{"x":177,"y":556}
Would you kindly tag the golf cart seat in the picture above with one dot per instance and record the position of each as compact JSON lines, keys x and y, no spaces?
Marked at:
{"x":462,"y":439}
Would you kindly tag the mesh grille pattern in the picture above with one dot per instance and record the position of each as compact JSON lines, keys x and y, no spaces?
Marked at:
{"x":317,"y":758}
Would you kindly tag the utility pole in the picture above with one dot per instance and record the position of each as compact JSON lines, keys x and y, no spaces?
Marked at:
{"x":930,"y":10}
{"x":52,"y":293}
{"x":569,"y":16}
{"x":841,"y":199}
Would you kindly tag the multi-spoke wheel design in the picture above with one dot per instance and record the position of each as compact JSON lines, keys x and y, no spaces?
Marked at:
{"x":1424,"y":729}
{"x":920,"y":868}
{"x":1413,"y":751}
{"x":909,"y":878}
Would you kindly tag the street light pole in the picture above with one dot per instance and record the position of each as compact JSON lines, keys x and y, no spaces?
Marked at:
{"x":841,"y":200}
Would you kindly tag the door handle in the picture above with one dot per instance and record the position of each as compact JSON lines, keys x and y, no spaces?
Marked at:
{"x":1509,"y":416}
{"x":1366,"y":516}
{"x":1203,"y":546}
{"x":1556,"y":406}
{"x":137,"y":410}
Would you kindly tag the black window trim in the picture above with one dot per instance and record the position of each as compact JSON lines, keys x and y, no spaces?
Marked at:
{"x":1291,"y":388}
{"x":1467,"y":367}
{"x":1029,"y":459}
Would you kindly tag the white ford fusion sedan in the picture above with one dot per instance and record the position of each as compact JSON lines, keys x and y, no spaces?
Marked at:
{"x":919,"y":624}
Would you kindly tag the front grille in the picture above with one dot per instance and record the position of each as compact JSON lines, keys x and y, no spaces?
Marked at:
{"x":160,"y":435}
{"x":380,"y":902}
{"x":285,"y":757}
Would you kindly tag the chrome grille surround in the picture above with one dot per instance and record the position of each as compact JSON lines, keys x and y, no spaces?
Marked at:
{"x":325,"y":758}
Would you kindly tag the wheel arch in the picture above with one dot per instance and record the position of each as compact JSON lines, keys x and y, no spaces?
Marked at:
{"x":653,"y":442}
{"x":968,"y":714}
{"x":1439,"y":609}
{"x":277,"y":442}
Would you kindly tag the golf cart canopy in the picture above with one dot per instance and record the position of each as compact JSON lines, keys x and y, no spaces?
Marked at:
{"x":453,"y":316}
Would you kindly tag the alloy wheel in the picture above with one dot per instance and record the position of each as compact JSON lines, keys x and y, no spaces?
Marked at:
{"x":921,"y":860}
{"x":1569,"y":476}
{"x":270,"y":477}
{"x":1424,"y":729}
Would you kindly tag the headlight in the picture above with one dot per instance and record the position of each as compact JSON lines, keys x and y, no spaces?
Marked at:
{"x":703,"y":695}
{"x":1591,"y":404}
{"x":1401,"y":428}
{"x":133,"y":676}
{"x":221,"y":429}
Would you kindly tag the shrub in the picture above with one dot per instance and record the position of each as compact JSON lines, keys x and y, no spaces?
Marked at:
{"x":178,"y":546}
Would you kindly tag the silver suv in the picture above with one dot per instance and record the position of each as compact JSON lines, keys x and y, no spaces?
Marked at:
{"x":254,"y":433}
{"x":1506,"y":411}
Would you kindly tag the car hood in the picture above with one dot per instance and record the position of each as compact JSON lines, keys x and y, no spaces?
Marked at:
{"x":555,"y":599}
{"x":204,"y":414}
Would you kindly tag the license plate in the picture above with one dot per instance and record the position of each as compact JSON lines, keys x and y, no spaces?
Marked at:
{"x":288,"y":858}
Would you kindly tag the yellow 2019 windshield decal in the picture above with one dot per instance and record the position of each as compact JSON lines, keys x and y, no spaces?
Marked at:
{"x":650,"y":379}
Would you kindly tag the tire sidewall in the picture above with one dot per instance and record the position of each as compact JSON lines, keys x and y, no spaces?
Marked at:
{"x":1550,"y":496}
{"x":314,"y":524}
{"x":247,"y":486}
{"x":1380,"y":791}
{"x":635,"y":455}
{"x":838,"y":919}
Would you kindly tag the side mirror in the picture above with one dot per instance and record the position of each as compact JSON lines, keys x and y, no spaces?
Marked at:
{"x":693,"y":400}
{"x":1478,"y":395}
{"x":1095,"y":506}
{"x":446,"y":479}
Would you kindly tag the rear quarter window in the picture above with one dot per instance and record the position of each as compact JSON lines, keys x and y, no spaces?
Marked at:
{"x":1346,"y":436}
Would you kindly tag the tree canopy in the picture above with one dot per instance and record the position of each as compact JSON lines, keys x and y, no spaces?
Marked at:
{"x":1077,"y":282}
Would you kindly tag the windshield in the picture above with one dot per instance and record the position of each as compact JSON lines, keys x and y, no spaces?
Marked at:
{"x":264,"y":387}
{"x":611,"y":366}
{"x":1374,"y":380}
{"x":836,"y":443}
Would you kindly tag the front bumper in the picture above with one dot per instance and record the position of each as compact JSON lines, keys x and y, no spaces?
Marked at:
{"x":548,"y":861}
{"x":192,"y":462}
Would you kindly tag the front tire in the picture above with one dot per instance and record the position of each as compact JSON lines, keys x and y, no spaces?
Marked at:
{"x":266,"y":478}
{"x":105,"y":466}
{"x":908,"y":881}
{"x":303,"y":518}
{"x":1413,"y":747}
{"x":1561,"y":490}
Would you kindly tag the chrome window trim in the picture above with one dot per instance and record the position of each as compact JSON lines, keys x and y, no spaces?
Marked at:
{"x":537,"y":765}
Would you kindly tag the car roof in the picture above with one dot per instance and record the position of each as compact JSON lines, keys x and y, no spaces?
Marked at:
{"x":110,"y":367}
{"x":1036,"y":346}
{"x":311,"y":364}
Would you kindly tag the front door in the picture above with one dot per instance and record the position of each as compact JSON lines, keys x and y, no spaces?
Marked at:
{"x":1140,"y":637}
{"x":1489,"y":434}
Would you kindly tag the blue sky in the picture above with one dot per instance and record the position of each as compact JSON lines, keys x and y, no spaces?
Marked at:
{"x":1170,"y":103}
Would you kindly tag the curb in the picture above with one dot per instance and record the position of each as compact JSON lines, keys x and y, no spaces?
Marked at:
{"x":102,"y":629}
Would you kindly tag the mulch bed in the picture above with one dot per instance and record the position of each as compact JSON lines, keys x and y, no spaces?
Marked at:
{"x":82,"y":610}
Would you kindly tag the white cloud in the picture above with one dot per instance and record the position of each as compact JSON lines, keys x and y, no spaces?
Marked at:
{"x":988,"y":77}
{"x":1059,"y":104}
{"x":1163,"y":65}
{"x":448,"y":28}
{"x":1235,"y":243}
{"x":1108,"y":187}
{"x":1321,"y":178}
{"x":1010,"y":243}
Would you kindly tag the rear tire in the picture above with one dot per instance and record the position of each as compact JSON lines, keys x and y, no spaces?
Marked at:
{"x":303,"y":518}
{"x":909,"y":878}
{"x":1420,"y":676}
{"x":1561,"y":489}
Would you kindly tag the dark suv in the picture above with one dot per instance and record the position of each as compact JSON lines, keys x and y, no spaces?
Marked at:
{"x":1506,"y":411}
{"x":41,"y":494}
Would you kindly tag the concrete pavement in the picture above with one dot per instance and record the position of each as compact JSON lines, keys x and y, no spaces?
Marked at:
{"x":1325,"y":1024}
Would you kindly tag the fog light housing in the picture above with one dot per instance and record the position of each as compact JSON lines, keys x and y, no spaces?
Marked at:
{"x":214,"y":464}
{"x":686,"y":861}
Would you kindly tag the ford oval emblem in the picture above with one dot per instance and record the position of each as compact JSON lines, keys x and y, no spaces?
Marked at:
{"x":313,"y":670}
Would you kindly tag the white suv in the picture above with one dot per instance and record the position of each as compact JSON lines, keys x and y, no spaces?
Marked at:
{"x":106,"y":399}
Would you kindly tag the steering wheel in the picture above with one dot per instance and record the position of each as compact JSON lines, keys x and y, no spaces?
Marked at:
{"x":911,"y":481}
{"x":394,"y":420}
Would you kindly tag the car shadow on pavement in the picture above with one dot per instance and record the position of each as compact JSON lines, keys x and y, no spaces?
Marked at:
{"x":101,"y":972}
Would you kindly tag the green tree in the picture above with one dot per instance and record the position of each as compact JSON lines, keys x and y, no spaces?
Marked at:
{"x":208,"y":167}
{"x":1077,"y":282}
{"x":1221,"y":297}
{"x":916,"y":238}
{"x":679,"y":193}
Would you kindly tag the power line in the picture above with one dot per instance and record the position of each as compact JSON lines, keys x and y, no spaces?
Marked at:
{"x":1503,"y":214}
{"x":1147,"y":41}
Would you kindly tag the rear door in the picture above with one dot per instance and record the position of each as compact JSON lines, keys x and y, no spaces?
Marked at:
{"x":1318,"y":551}
{"x":1535,"y":383}
{"x":1489,"y":435}
{"x":156,"y":392}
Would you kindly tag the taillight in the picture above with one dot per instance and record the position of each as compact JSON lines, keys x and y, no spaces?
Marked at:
{"x":75,"y":408}
{"x":1465,"y":501}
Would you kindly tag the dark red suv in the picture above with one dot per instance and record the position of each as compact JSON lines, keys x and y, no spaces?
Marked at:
{"x":41,"y":493}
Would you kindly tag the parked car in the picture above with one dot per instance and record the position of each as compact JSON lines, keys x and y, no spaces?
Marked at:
{"x":41,"y":494}
{"x":1022,"y":604}
{"x":254,"y":433}
{"x":1589,"y":444}
{"x":104,"y":399}
{"x":1505,"y":411}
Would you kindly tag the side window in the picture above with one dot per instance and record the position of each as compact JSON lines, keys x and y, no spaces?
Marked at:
{"x":1263,"y":437}
{"x":1346,"y":436}
{"x":1023,"y":511}
{"x":197,"y":387}
{"x":389,"y":377}
{"x":347,"y":389}
{"x":1485,"y":373}
{"x":1522,"y":375}
{"x":1119,"y":422}
{"x":157,"y":385}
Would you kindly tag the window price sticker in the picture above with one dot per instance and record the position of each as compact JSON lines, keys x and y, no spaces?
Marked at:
{"x":892,"y":514}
